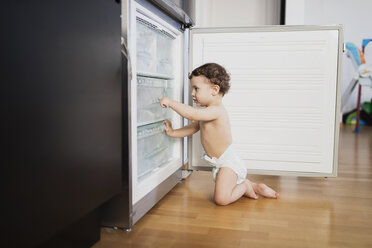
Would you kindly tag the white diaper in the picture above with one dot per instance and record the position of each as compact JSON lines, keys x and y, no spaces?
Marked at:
{"x":228,"y":159}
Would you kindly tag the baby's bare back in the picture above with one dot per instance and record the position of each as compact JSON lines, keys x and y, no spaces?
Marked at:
{"x":215,"y":135}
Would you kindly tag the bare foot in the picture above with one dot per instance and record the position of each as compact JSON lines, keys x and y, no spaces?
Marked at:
{"x":250,"y":191}
{"x":266,"y":191}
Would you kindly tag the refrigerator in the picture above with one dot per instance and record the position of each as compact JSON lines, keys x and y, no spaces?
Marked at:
{"x":283,"y":103}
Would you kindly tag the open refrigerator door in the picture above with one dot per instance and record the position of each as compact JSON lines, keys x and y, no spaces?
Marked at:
{"x":284,"y":102}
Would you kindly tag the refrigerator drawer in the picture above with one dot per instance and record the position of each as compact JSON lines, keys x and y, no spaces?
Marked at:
{"x":155,"y":49}
{"x":165,"y":54}
{"x":149,"y":89}
{"x":152,"y":113}
{"x":148,"y":107}
{"x":146,"y":48}
{"x":154,"y":148}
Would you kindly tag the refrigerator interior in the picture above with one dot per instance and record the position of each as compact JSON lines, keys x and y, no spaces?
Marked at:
{"x":157,"y":71}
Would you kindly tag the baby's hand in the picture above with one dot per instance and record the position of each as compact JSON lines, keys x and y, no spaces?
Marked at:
{"x":168,"y":127}
{"x":164,"y":101}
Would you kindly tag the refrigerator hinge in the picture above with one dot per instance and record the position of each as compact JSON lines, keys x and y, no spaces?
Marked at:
{"x":184,"y":26}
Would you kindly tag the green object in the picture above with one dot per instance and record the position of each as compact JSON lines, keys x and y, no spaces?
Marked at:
{"x":351,"y":119}
{"x":367,"y":106}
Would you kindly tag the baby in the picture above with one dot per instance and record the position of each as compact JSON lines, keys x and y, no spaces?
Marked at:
{"x":210,"y":82}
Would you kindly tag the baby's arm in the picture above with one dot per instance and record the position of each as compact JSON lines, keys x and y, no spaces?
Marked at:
{"x":205,"y":114}
{"x":181,"y":132}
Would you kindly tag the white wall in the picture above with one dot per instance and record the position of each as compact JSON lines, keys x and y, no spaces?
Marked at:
{"x":354,"y":15}
{"x":237,"y":13}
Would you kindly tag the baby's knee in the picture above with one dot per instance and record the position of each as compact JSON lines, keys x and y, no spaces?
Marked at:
{"x":221,"y":199}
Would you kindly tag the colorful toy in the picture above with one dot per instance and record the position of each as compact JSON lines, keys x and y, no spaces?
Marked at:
{"x":363,"y":75}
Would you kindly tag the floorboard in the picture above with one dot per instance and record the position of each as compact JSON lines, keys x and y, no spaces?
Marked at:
{"x":311,"y":212}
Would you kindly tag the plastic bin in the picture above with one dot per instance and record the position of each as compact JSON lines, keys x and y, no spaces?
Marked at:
{"x":148,"y":107}
{"x":146,"y":48}
{"x":154,"y":148}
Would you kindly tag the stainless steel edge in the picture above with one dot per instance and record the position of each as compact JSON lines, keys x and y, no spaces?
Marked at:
{"x":338,"y":100}
{"x":189,"y":139}
{"x":127,"y":6}
{"x":186,"y":95}
{"x":176,"y":11}
{"x":184,"y":71}
{"x":117,"y":211}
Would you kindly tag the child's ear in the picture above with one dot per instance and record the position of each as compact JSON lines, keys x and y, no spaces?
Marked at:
{"x":215,"y":90}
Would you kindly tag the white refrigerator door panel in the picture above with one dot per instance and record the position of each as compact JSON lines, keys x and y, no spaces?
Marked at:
{"x":156,"y":49}
{"x":283,"y":101}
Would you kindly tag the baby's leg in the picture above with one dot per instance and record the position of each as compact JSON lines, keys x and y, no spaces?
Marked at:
{"x":227,"y":191}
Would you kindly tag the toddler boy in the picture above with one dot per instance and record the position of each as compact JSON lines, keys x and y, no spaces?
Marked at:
{"x":210,"y":82}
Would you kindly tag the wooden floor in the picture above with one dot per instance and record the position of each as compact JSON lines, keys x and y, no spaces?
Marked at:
{"x":311,"y":212}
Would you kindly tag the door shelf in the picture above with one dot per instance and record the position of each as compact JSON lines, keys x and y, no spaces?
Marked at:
{"x":154,"y":148}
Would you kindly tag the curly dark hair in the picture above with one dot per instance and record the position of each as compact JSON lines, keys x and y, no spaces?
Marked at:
{"x":216,"y":75}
